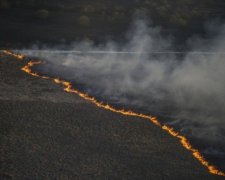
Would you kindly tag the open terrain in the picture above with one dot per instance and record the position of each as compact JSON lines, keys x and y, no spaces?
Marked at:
{"x":47,"y":133}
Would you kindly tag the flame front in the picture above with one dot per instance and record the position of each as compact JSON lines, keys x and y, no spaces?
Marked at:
{"x":17,"y":56}
{"x":69,"y":88}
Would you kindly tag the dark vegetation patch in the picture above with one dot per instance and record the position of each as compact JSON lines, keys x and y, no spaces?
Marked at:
{"x":30,"y":21}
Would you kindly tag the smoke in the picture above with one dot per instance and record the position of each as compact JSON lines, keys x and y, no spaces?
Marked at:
{"x":186,"y":88}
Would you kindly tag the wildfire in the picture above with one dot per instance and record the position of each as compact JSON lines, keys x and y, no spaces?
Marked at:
{"x":18,"y":56}
{"x":69,"y":88}
{"x":28,"y":70}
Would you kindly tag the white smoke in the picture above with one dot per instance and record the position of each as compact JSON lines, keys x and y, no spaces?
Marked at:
{"x":187,"y":87}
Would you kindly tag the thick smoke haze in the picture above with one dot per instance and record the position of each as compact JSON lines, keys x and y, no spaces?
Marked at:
{"x":188,"y":89}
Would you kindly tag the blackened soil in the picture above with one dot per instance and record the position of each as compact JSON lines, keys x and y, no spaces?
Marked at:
{"x":46,"y":133}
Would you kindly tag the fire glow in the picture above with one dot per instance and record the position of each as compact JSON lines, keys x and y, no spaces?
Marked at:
{"x":17,"y":56}
{"x":70,"y":89}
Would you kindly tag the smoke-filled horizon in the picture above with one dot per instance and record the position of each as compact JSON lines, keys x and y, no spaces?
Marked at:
{"x":188,"y":87}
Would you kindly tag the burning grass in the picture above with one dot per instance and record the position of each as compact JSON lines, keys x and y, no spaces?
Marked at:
{"x":70,"y":89}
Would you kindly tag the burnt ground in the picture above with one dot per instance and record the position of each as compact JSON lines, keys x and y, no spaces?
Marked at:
{"x":46,"y":133}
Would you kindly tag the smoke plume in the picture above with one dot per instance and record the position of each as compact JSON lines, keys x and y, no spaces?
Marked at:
{"x":186,"y":88}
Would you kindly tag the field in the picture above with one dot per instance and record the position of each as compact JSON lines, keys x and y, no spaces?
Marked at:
{"x":49,"y":134}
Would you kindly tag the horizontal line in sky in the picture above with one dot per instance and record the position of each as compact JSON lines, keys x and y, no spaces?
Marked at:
{"x":112,"y":52}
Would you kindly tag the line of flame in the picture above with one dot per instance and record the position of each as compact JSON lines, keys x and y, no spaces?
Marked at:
{"x":69,"y":88}
{"x":18,"y":56}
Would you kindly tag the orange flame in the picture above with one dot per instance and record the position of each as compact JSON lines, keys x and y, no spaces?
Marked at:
{"x":69,"y":88}
{"x":18,"y":56}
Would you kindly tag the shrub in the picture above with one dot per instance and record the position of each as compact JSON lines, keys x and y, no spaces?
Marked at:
{"x":84,"y":20}
{"x":88,"y":9}
{"x":42,"y":14}
{"x":4,"y":4}
{"x":178,"y":20}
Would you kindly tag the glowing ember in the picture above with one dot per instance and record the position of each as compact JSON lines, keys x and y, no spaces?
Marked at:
{"x":68,"y":88}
